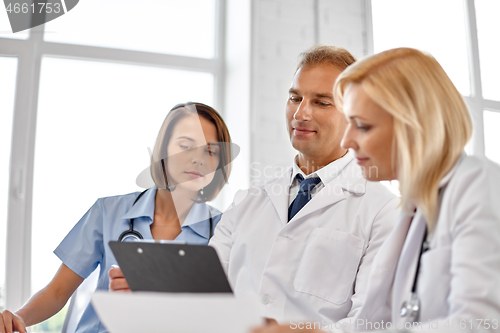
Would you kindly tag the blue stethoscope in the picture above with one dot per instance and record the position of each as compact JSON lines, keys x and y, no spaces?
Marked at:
{"x":131,"y":235}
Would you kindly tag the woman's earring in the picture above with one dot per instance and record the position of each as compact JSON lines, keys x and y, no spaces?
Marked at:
{"x":201,"y":191}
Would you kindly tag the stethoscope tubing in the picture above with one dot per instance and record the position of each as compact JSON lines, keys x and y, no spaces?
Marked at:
{"x":410,"y":308}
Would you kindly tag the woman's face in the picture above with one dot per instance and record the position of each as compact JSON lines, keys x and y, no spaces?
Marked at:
{"x":369,"y":133}
{"x":193,"y":153}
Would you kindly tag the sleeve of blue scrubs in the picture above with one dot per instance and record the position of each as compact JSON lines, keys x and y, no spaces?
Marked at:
{"x":82,"y":249}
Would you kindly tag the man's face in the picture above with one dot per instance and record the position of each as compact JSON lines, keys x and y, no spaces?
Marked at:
{"x":314,"y":124}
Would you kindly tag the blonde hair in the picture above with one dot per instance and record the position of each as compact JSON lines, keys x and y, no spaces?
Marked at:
{"x":431,"y":121}
{"x":326,"y":54}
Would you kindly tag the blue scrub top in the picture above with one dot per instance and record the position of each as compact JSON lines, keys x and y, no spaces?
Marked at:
{"x":86,"y":245}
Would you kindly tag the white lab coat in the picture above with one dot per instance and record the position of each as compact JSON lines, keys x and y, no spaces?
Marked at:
{"x":316,"y":266}
{"x":459,"y":277}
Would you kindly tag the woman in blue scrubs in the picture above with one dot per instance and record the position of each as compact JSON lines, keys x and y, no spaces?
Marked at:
{"x":189,"y":166}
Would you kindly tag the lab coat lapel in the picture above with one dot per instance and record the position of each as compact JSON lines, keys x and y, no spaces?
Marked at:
{"x":384,"y":267}
{"x":349,"y":180}
{"x":407,"y":265}
{"x":278,"y":192}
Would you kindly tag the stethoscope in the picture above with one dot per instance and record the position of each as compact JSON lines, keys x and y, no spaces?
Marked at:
{"x":410,"y":309}
{"x":131,"y":235}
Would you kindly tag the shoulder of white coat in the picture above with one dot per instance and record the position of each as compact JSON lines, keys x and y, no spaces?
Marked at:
{"x":354,"y":182}
{"x":382,"y":203}
{"x":474,"y":165}
{"x":470,"y":204}
{"x":377,"y":191}
{"x":477,"y":174}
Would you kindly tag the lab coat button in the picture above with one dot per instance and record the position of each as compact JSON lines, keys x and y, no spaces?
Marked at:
{"x":265,"y":299}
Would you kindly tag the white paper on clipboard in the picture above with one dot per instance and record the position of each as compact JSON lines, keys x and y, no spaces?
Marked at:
{"x":176,"y":313}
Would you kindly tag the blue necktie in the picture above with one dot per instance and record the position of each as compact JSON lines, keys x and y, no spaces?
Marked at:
{"x":304,"y":195}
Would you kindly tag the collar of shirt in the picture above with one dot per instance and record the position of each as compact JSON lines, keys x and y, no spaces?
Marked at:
{"x":145,"y":207}
{"x":326,"y":174}
{"x":199,"y":212}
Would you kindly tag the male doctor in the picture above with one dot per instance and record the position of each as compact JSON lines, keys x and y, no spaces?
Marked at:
{"x":319,"y":219}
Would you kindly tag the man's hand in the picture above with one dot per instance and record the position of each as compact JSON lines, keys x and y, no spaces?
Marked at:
{"x":117,"y":281}
{"x":11,"y":322}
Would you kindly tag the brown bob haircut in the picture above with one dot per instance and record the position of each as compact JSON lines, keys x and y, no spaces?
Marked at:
{"x":326,"y":54}
{"x":159,"y":156}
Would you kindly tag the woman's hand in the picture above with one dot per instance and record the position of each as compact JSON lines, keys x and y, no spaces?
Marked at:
{"x":44,"y":304}
{"x":117,"y":281}
{"x":11,"y":322}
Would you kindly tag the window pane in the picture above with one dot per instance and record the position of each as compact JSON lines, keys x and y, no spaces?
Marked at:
{"x":6,"y":30}
{"x":94,"y":126}
{"x":488,"y":27}
{"x":8,"y":67}
{"x":492,"y":135}
{"x":183,"y":27}
{"x":435,"y":26}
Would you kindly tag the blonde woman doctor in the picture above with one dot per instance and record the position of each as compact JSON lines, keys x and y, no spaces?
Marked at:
{"x":439,"y":270}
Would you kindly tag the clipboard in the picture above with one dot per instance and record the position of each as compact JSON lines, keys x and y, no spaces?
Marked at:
{"x":170,"y":267}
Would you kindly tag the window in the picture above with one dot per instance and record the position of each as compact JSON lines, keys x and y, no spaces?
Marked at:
{"x":492,"y":135}
{"x":161,"y":26}
{"x":8,"y":68}
{"x":488,"y":27}
{"x":462,"y":36}
{"x":399,"y":23}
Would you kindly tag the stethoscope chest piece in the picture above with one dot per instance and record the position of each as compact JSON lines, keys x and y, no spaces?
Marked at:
{"x":130,"y":235}
{"x":410,"y":309}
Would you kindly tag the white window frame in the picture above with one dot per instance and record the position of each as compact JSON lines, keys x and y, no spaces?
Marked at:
{"x":475,"y":101}
{"x":29,"y":53}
